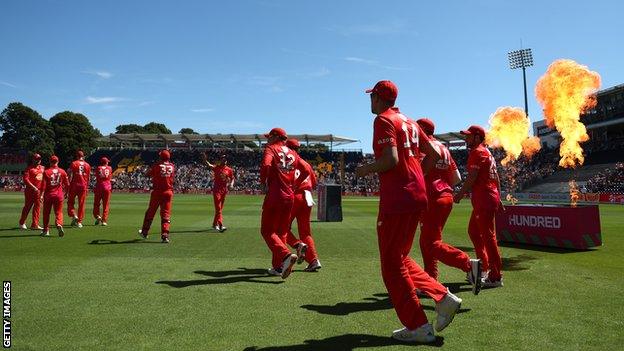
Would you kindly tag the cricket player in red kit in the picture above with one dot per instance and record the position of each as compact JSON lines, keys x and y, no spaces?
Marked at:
{"x":79,"y":175}
{"x":397,"y":144}
{"x":33,"y":180}
{"x":484,"y":184}
{"x":102,"y":191}
{"x":223,"y":180}
{"x":301,"y":210}
{"x":54,"y":181}
{"x":439,"y":182}
{"x":162,"y":174}
{"x":277,"y":177}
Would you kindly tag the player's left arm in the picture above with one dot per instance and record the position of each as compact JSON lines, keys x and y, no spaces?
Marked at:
{"x":475,"y":162}
{"x":501,"y":206}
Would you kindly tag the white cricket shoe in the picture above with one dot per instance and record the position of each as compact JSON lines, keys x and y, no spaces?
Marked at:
{"x":216,"y":227}
{"x":301,"y":251}
{"x":446,"y":310}
{"x":288,"y":264}
{"x":275,"y":272}
{"x":314,"y":266}
{"x":144,"y":236}
{"x":98,"y":220}
{"x":79,"y":225}
{"x":60,"y":230}
{"x":222,"y":229}
{"x":23,"y":226}
{"x":37,"y":228}
{"x":489,"y":284}
{"x":424,"y":334}
{"x":104,"y":224}
{"x":475,"y":275}
{"x":45,"y":233}
{"x":74,"y":221}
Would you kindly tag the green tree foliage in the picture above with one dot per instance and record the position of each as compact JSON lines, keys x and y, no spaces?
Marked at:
{"x":129,"y":129}
{"x":73,"y":131}
{"x":156,"y":128}
{"x":23,"y":127}
{"x":187,"y":131}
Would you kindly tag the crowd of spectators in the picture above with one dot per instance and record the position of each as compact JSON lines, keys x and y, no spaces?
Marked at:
{"x":608,"y":181}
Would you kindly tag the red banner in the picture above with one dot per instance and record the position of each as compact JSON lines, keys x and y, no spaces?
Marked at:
{"x":550,"y":225}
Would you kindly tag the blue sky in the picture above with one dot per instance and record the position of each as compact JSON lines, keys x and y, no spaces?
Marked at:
{"x":247,"y":66}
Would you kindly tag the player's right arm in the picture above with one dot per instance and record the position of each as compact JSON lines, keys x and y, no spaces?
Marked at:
{"x":265,"y":167}
{"x":474,"y":164}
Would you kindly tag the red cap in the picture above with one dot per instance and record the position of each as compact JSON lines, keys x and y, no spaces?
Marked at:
{"x":79,"y":154}
{"x":474,"y":130}
{"x":54,"y":159}
{"x":385,"y":89}
{"x":279,"y":132}
{"x":36,"y":157}
{"x":293,"y":143}
{"x":426,"y":125}
{"x":164,"y":155}
{"x":104,"y":160}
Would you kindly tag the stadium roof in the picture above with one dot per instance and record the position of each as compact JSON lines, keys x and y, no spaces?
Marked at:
{"x":451,"y":138}
{"x":218,"y":138}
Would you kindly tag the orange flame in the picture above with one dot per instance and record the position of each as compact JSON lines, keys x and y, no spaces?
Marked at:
{"x":509,"y":129}
{"x":565,"y":91}
{"x":511,"y":199}
{"x":574,"y":193}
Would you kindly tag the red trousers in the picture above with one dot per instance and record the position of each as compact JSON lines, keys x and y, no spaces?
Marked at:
{"x":483,"y":236}
{"x":49,"y":201}
{"x":101,"y":196}
{"x":162,"y":199}
{"x":81,"y":193}
{"x":274,"y":226}
{"x":219,"y":200}
{"x":400,"y":273}
{"x":32,"y":199}
{"x":301,"y":211}
{"x":431,"y":245}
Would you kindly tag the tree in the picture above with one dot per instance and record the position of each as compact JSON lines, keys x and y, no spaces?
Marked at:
{"x":73,"y":131}
{"x":187,"y":131}
{"x":156,"y":128}
{"x":24,"y":128}
{"x":129,"y":129}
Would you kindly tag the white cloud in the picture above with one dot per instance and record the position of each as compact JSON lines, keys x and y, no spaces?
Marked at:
{"x":322,"y":72}
{"x":395,"y":27}
{"x":202,"y":110}
{"x":103,"y":99}
{"x":360,"y":60}
{"x":7,"y":84}
{"x":146,"y":103}
{"x":101,"y":74}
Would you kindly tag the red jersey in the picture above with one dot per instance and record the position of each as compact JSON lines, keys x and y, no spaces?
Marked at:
{"x":223,"y":175}
{"x":306,"y":184}
{"x":33,"y":175}
{"x":485,"y":189}
{"x":103,"y":177}
{"x":80,"y":172}
{"x":439,"y":179}
{"x":54,"y":180}
{"x":277,"y":171}
{"x":402,"y":188}
{"x":162,"y":174}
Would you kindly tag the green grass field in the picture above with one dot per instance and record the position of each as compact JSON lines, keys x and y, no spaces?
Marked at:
{"x":102,"y":288}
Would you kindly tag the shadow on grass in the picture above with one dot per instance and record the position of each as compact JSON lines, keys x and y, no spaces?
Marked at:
{"x":346,"y":342}
{"x":548,"y":249}
{"x":517,"y":263}
{"x":115,"y":242}
{"x":245,"y":275}
{"x":378,"y":302}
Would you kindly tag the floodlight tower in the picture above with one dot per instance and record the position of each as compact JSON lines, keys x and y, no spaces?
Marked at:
{"x":522,"y":58}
